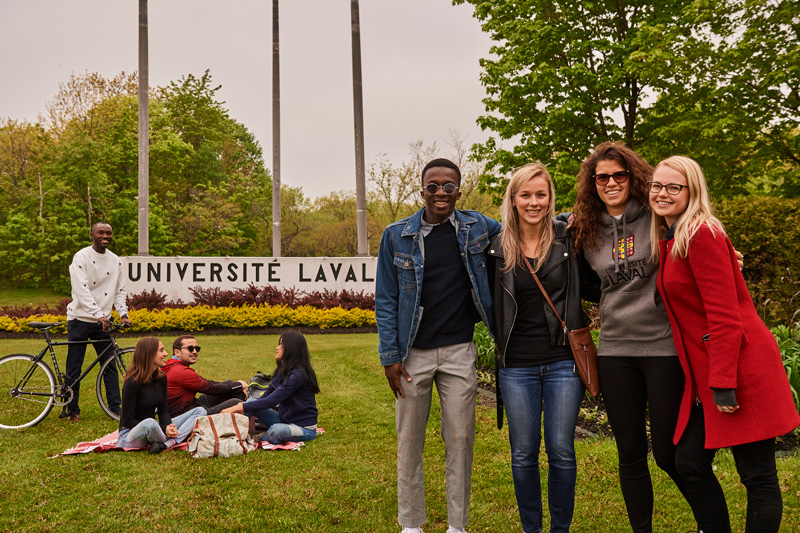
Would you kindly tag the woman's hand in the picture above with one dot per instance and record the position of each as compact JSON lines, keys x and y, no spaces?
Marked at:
{"x":238,"y":408}
{"x":725,"y":400}
{"x":172,"y":431}
{"x":244,"y":387}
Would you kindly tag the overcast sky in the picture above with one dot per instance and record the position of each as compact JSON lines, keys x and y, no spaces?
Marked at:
{"x":420,"y":69}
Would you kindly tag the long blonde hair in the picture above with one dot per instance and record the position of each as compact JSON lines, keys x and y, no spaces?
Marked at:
{"x":511,"y":237}
{"x":698,"y":211}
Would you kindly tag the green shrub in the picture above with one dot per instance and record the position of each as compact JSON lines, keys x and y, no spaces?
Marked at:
{"x":789,"y":343}
{"x":485,"y":344}
{"x":765,"y":230}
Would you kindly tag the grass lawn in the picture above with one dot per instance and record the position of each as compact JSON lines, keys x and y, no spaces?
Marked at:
{"x":13,"y":296}
{"x":343,"y":481}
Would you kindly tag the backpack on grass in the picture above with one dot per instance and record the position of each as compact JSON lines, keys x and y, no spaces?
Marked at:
{"x":221,"y":435}
{"x":258,"y":385}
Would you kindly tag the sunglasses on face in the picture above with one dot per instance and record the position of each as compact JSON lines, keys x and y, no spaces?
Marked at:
{"x":192,"y":348}
{"x":449,"y":188}
{"x":618,"y":177}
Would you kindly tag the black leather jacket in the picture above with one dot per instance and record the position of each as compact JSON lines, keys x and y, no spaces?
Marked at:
{"x":561,"y":275}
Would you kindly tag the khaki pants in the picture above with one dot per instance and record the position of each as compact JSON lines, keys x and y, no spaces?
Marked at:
{"x":452,"y":368}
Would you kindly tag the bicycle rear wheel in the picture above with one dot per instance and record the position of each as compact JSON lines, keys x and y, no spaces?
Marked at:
{"x":26,"y":391}
{"x":110,"y":379}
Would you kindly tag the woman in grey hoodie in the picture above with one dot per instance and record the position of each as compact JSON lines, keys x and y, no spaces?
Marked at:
{"x":637,"y":363}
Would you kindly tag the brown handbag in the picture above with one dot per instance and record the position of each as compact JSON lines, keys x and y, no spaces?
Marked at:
{"x":580,"y":341}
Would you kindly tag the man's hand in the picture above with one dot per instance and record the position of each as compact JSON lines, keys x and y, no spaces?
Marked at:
{"x":739,"y":258}
{"x":393,"y":373}
{"x":105,"y":322}
{"x":126,"y":321}
{"x":244,"y":387}
{"x":238,"y":408}
{"x":172,"y":431}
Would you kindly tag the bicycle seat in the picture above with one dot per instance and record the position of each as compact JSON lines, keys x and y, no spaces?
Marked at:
{"x":43,"y":325}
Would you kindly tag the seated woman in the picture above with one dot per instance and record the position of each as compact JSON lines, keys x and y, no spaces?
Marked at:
{"x":292,"y":391}
{"x":144,"y":391}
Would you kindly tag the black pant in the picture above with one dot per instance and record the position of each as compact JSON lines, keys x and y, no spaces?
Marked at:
{"x":82,"y":331}
{"x":215,"y":404}
{"x":631,"y":385}
{"x":755,"y":462}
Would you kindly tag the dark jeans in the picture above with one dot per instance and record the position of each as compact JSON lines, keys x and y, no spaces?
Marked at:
{"x":755,"y":462}
{"x":215,"y":404}
{"x":82,"y":331}
{"x":631,"y":387}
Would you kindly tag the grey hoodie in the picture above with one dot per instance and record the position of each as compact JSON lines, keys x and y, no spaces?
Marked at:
{"x":633,"y":320}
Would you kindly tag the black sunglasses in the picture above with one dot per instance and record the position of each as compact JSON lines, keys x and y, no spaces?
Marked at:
{"x":192,"y":348}
{"x":619,"y":177}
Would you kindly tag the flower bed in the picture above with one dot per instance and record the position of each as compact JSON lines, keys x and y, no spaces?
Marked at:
{"x":200,"y":317}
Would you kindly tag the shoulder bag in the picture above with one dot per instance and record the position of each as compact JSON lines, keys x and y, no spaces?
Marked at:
{"x":580,"y":341}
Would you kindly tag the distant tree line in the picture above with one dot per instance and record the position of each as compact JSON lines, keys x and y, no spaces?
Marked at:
{"x":210,"y":192}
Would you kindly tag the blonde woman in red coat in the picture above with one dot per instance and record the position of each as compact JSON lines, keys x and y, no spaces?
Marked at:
{"x":737,"y":394}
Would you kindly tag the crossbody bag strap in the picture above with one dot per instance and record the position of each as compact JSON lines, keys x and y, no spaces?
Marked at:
{"x":544,"y":292}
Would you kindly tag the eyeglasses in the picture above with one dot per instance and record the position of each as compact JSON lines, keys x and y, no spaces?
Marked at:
{"x":672,"y":188}
{"x":619,"y":177}
{"x":449,"y":188}
{"x":192,"y":348}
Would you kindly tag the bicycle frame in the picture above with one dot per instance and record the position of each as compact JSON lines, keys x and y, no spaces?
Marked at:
{"x":111,"y":349}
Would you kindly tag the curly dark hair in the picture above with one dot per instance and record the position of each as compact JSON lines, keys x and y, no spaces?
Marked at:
{"x":588,"y":205}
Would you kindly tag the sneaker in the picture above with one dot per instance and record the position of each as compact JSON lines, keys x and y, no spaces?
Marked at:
{"x":412,"y":530}
{"x":73,"y":418}
{"x":451,"y":529}
{"x":157,"y":447}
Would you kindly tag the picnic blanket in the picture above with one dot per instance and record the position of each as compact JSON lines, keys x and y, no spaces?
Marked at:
{"x":108,"y":443}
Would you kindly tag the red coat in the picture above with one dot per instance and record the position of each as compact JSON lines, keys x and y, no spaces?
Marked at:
{"x":722,"y":343}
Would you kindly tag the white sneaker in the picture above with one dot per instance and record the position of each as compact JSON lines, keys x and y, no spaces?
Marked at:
{"x":412,"y":530}
{"x":451,"y":529}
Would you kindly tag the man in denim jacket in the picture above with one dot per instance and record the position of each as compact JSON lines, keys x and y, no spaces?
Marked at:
{"x":425,"y":331}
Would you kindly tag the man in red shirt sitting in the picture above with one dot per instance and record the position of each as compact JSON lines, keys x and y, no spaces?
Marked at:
{"x":183,"y":383}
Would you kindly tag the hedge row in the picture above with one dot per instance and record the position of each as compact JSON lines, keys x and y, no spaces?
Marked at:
{"x":766,"y":231}
{"x":198,"y":318}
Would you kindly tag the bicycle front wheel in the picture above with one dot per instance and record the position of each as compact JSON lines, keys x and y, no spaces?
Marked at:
{"x":109,"y":382}
{"x":27,"y":391}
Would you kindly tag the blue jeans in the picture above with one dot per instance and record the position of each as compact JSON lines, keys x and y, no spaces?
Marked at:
{"x":278,"y":432}
{"x":557,"y":391}
{"x":149,"y":430}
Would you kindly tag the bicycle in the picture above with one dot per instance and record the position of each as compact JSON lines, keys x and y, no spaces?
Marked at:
{"x":29,"y":388}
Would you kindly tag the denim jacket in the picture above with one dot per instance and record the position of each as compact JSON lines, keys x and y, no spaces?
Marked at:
{"x":398,"y":283}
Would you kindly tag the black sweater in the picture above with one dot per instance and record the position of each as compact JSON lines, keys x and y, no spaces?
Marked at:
{"x":141,"y":401}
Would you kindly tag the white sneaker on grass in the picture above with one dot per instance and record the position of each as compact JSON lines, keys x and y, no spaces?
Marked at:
{"x":451,"y":529}
{"x":412,"y":530}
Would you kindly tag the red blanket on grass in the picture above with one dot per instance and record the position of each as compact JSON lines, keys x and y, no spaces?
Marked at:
{"x":108,"y":443}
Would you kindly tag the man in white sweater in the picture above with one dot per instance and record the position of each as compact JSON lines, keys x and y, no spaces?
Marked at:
{"x":98,"y":284}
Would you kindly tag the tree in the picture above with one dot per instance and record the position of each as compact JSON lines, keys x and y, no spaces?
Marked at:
{"x":660,"y":76}
{"x":210,"y":190}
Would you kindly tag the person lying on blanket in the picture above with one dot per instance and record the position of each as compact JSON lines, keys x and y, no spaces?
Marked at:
{"x":144,"y":391}
{"x":292,"y":391}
